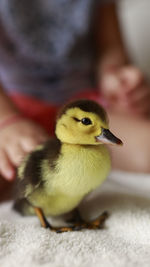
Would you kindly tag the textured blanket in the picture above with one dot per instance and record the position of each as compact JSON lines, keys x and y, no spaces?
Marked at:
{"x":125,"y":241}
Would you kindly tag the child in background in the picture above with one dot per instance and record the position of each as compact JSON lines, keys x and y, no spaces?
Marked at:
{"x":48,"y":50}
{"x":126,"y":92}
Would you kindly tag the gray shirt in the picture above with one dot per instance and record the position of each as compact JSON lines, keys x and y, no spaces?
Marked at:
{"x":44,"y":47}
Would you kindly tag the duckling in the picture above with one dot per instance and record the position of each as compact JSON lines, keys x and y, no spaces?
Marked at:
{"x":54,"y":178}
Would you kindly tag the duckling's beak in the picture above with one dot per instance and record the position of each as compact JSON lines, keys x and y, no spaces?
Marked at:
{"x":107,"y":137}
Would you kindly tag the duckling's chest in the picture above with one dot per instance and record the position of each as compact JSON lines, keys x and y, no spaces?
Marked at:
{"x":80,"y":169}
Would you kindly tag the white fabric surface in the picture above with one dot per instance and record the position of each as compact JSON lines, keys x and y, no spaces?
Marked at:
{"x":125,"y":242}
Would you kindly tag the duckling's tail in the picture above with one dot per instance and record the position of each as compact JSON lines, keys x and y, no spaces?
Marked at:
{"x":23,"y":207}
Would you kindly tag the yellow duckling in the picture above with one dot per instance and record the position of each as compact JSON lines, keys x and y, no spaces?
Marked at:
{"x":54,"y":179}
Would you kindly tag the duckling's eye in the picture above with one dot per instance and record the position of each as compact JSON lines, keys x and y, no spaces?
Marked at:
{"x":86,"y":121}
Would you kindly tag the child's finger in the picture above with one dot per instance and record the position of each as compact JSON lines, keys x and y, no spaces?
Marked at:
{"x":41,"y":138}
{"x":111,"y":84}
{"x":6,"y":168}
{"x":131,"y":77}
{"x":29,"y":143}
{"x":15,"y":154}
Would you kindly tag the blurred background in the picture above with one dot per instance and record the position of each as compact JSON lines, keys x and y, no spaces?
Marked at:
{"x":135,"y":20}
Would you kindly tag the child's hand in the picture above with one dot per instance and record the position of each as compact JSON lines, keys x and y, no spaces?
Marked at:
{"x":125,"y":89}
{"x":16,"y":140}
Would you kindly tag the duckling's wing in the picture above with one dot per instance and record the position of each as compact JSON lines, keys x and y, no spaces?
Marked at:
{"x":29,"y":175}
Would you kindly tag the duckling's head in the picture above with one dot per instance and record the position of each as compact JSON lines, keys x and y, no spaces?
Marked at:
{"x":84,"y":122}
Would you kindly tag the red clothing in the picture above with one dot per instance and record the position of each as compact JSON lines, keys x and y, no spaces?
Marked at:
{"x":43,"y":113}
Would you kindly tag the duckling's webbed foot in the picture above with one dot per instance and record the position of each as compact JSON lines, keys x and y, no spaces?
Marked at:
{"x":99,"y":222}
{"x":96,"y":224}
{"x":46,"y":224}
{"x":80,"y":225}
{"x":93,"y":225}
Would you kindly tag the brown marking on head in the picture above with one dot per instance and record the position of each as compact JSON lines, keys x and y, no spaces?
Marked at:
{"x":87,"y":106}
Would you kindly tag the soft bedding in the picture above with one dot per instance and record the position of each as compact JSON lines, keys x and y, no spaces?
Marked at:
{"x":125,"y":241}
